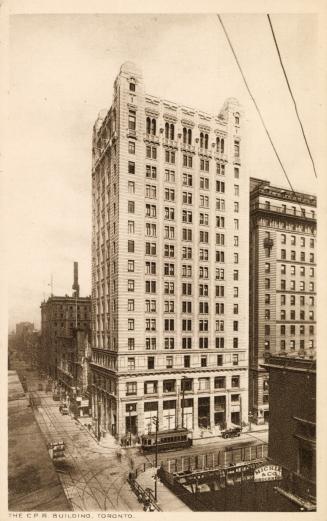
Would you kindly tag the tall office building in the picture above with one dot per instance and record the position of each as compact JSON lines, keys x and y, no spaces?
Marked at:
{"x":282,"y":282}
{"x":169,"y":264}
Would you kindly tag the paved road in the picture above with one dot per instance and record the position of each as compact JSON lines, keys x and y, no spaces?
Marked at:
{"x":94,"y":479}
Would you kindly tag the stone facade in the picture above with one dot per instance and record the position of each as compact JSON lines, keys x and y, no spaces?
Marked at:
{"x":282,"y":282}
{"x":169,"y":264}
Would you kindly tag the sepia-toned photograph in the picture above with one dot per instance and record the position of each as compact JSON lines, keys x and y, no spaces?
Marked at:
{"x":162,"y":196}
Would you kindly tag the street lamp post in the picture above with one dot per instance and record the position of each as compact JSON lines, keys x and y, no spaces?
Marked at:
{"x":99,"y":420}
{"x":156,"y":422}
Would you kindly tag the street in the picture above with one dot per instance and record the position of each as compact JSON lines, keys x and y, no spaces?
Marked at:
{"x":93,"y":476}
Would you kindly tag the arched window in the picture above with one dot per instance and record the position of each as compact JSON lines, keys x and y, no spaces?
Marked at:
{"x":153,"y":127}
{"x":166,"y":130}
{"x":184,"y":135}
{"x":172,"y":131}
{"x":189,"y":136}
{"x":206,"y":140}
{"x":201,"y":140}
{"x":222,"y":145}
{"x":217,"y":144}
{"x":148,"y":125}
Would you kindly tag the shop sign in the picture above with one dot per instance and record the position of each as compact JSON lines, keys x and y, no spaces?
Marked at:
{"x":268,"y":473}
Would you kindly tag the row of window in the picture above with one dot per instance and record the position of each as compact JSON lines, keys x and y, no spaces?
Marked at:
{"x":203,"y":362}
{"x":292,"y":285}
{"x":187,"y":324}
{"x":169,"y":132}
{"x":291,"y":268}
{"x":293,"y":240}
{"x":170,"y":158}
{"x":290,"y":329}
{"x":293,"y":255}
{"x":186,"y":384}
{"x":290,"y":211}
{"x":301,"y":300}
{"x":169,"y":288}
{"x":187,"y":342}
{"x":169,"y":307}
{"x":292,"y":315}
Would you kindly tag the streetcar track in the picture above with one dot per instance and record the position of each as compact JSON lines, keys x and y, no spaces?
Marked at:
{"x":84,"y":486}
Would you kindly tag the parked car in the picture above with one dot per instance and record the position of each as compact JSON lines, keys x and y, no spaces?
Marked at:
{"x":232,"y":432}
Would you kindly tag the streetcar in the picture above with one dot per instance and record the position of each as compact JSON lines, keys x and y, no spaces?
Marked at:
{"x":56,"y":450}
{"x":167,"y":440}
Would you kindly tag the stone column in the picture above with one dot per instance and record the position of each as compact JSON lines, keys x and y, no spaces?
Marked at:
{"x":212,"y":411}
{"x":195,"y":415}
{"x":140,"y":418}
{"x":160,"y":413}
{"x":228,"y":409}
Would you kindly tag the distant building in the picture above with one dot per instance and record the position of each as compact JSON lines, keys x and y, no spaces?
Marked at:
{"x":23,"y":328}
{"x":282,"y":282}
{"x":65,"y":329}
{"x":292,"y":425}
{"x":169,"y":264}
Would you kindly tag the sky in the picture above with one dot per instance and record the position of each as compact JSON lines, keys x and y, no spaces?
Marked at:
{"x":62,"y":69}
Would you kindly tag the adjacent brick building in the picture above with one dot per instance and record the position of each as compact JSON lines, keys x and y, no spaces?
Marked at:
{"x":169,"y":264}
{"x":282,"y":282}
{"x":65,"y":340}
{"x":292,"y":426}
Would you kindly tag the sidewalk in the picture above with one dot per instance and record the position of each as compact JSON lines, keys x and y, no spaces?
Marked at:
{"x":167,"y":501}
{"x":210,"y":436}
{"x":107,"y":442}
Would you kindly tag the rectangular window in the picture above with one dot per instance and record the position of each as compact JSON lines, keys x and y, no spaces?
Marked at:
{"x":131,"y":207}
{"x":131,"y":344}
{"x":203,"y":361}
{"x":131,"y":147}
{"x":131,"y":187}
{"x":132,"y":120}
{"x":220,"y":187}
{"x":220,"y":169}
{"x":131,"y":167}
{"x":130,"y":264}
{"x":131,"y":388}
{"x":187,"y":361}
{"x":130,"y":364}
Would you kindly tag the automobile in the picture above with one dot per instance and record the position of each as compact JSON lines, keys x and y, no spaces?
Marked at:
{"x":64,"y":410}
{"x":233,"y":432}
{"x":56,"y":397}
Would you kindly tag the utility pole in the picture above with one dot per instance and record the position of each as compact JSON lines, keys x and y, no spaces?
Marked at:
{"x":156,"y":422}
{"x":99,"y":420}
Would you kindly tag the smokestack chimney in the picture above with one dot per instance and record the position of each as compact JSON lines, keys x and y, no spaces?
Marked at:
{"x":76,"y":285}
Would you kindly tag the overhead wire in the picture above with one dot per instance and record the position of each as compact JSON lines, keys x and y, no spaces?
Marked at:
{"x":291,"y":93}
{"x":254,"y":102}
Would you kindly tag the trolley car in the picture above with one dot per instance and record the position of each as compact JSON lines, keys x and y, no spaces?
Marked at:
{"x":166,"y":440}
